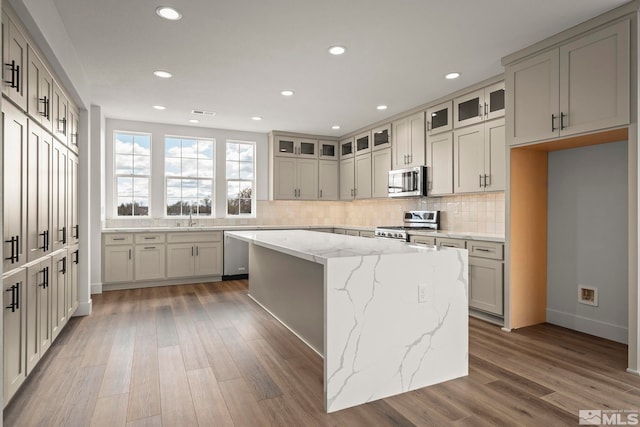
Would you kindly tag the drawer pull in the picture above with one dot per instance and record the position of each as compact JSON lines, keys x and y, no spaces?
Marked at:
{"x":118,"y":238}
{"x":483,"y":250}
{"x":150,"y":238}
{"x":446,"y":245}
{"x":149,"y":247}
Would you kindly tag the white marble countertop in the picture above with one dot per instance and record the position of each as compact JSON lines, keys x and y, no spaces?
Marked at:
{"x":319,"y":247}
{"x":467,"y":235}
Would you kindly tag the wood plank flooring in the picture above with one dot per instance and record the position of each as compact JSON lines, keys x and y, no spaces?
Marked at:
{"x":206,"y":355}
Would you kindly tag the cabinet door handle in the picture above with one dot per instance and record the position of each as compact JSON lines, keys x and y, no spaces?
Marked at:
{"x":192,"y":249}
{"x":77,"y":227}
{"x":12,"y":66}
{"x":197,"y":250}
{"x":480,"y":181}
{"x":12,"y":306}
{"x":562,"y":116}
{"x":44,"y":105}
{"x":487,"y":180}
{"x":129,"y":253}
{"x":428,"y":125}
{"x":45,"y":278}
{"x":321,"y":194}
{"x":64,"y":265}
{"x":553,"y":123}
{"x":13,"y":249}
{"x":64,"y":235}
{"x":77,"y":253}
{"x":486,"y":110}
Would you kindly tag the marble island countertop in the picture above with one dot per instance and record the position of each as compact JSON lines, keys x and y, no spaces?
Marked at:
{"x":320,"y":247}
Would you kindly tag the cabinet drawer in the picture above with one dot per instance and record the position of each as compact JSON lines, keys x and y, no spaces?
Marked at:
{"x":367,"y":234}
{"x":191,"y":237}
{"x":150,"y":238}
{"x":490,"y":250}
{"x":118,"y":239}
{"x":339,"y":231}
{"x":352,"y":233}
{"x":422,"y":240}
{"x":451,"y":243}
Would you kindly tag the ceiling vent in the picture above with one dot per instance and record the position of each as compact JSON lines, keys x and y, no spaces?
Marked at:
{"x":204,"y":113}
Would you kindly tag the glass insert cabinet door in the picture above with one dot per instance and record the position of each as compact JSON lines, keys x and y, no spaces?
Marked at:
{"x":346,"y":148}
{"x":295,"y":147}
{"x":440,"y":118}
{"x":483,"y":104}
{"x":328,"y":150}
{"x":363,"y":144}
{"x":381,"y":137}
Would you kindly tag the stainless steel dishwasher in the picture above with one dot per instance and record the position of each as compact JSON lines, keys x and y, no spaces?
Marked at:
{"x":236,"y":257}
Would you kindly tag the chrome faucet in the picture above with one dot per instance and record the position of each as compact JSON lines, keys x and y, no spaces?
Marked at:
{"x":191,"y":221}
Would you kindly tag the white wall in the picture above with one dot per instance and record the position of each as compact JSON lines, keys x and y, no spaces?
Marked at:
{"x":587,"y":238}
{"x":158,"y":132}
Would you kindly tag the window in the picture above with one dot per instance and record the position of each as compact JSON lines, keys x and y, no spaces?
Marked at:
{"x":132,"y":166}
{"x":189,"y":172}
{"x":240,"y":178}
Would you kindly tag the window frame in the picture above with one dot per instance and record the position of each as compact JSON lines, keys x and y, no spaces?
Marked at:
{"x":253,"y":213}
{"x":213,"y":179}
{"x":116,"y":175}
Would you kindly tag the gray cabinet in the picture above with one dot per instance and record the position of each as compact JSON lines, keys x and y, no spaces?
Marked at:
{"x":14,"y":60}
{"x":580,"y":86}
{"x":14,"y":185}
{"x":440,"y":164}
{"x":362,"y":174}
{"x":380,"y":167}
{"x":58,"y":292}
{"x":475,"y":107}
{"x":347,"y":179}
{"x":59,"y":192}
{"x":39,"y":91}
{"x":38,"y":311}
{"x":118,"y":258}
{"x":14,"y":332}
{"x":408,"y":141}
{"x":328,"y":180}
{"x":440,"y":118}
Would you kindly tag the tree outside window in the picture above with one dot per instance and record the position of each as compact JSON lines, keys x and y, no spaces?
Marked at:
{"x":240,"y":174}
{"x":132,"y":164}
{"x":189,"y":174}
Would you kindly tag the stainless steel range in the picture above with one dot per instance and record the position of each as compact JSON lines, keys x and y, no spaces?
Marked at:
{"x":413,"y":221}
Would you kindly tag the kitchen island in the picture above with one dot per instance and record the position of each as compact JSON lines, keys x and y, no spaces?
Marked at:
{"x":386,"y":316}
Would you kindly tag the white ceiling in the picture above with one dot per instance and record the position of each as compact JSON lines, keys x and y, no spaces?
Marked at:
{"x":235,"y":56}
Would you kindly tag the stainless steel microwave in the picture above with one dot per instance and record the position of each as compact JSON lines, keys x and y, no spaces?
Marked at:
{"x":408,"y":182}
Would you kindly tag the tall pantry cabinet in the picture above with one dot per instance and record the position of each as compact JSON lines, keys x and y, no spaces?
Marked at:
{"x":40,"y":202}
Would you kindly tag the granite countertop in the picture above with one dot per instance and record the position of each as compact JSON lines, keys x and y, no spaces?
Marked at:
{"x":320,"y":248}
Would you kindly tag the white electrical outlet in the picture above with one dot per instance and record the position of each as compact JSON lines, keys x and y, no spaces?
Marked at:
{"x":423,"y":290}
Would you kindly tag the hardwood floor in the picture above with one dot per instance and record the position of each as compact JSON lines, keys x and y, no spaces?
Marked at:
{"x":207,"y":355}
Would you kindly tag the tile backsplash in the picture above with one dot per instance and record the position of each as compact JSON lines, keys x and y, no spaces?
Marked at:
{"x":482,"y":213}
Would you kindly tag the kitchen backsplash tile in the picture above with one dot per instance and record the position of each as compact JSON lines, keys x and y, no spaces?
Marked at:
{"x":474,"y":212}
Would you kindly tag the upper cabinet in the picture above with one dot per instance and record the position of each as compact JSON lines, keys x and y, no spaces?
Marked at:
{"x":287,"y":146}
{"x":578,"y":87}
{"x":440,"y":118}
{"x":346,"y":148}
{"x":14,"y":59}
{"x":363,"y":143}
{"x":407,"y":149}
{"x":39,"y":91}
{"x":484,"y":104}
{"x":328,"y":150}
{"x":60,"y":113}
{"x":381,"y":137}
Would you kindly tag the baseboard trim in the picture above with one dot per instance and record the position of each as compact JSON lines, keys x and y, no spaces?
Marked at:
{"x":588,"y":326}
{"x":96,"y":288}
{"x":633,"y":372}
{"x":84,"y":309}
{"x":157,"y":283}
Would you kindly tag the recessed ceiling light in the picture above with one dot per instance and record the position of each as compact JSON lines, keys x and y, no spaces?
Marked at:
{"x":163,"y":74}
{"x":256,"y":118}
{"x":287,"y":92}
{"x":169,"y":13}
{"x":381,"y":107}
{"x":194,"y":121}
{"x":159,"y":107}
{"x":335,"y":127}
{"x":337,"y":50}
{"x":451,"y":76}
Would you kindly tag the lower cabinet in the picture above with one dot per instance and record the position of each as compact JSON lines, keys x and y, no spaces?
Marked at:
{"x":149,"y":262}
{"x":14,"y":332}
{"x":71,"y":299}
{"x":194,"y":254}
{"x":38,"y":312}
{"x":118,"y":264}
{"x":58,"y":292}
{"x":485,"y":285}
